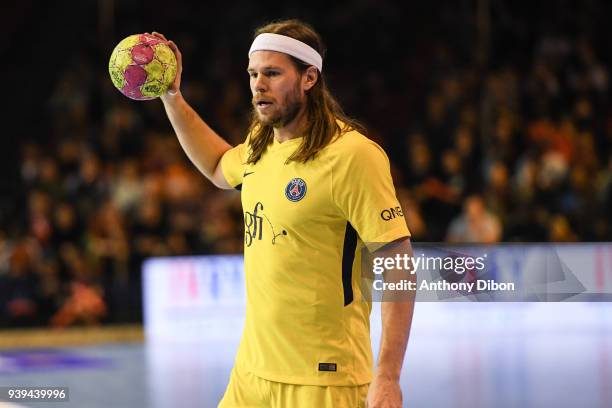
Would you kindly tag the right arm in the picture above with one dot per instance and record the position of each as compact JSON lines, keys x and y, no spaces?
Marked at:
{"x":203,"y":146}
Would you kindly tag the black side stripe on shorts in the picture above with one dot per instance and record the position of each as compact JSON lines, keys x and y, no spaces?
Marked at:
{"x":348,"y":256}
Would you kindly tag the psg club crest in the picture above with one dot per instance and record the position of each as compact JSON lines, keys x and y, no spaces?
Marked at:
{"x":295,"y":190}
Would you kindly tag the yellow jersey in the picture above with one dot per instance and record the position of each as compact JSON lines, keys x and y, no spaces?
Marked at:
{"x":305,"y":226}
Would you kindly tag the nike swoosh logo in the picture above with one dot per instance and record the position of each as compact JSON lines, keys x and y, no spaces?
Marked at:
{"x":246,"y":173}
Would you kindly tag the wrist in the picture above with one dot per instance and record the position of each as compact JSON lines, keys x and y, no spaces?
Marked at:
{"x":387,"y":374}
{"x":171,"y":96}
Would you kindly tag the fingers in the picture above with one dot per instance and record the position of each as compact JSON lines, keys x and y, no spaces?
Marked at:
{"x":159,"y":35}
{"x":171,"y":44}
{"x":174,"y":87}
{"x":177,"y":54}
{"x":173,"y":47}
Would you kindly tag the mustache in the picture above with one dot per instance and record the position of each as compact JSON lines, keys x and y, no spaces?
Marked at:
{"x":257,"y":99}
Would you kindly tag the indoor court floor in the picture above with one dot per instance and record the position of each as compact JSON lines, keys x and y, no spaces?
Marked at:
{"x":460,"y":355}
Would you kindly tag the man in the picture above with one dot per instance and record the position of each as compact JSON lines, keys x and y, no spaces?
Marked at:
{"x":475,"y":224}
{"x":313,"y":190}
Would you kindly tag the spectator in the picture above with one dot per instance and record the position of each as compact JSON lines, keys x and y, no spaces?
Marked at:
{"x":475,"y":225}
{"x":515,"y":148}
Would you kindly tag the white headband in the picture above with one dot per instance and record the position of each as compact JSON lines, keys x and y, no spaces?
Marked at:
{"x":288,"y":45}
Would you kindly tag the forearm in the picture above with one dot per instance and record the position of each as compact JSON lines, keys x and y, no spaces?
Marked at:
{"x":202,"y":145}
{"x":396,"y":322}
{"x":396,"y":312}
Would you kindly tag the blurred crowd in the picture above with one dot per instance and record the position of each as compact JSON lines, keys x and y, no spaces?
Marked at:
{"x":513,"y":155}
{"x":518,"y":150}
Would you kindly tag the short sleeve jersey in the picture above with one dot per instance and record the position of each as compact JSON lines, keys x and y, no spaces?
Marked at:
{"x":305,"y":226}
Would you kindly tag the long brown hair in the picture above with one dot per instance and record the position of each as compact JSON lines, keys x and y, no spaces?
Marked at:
{"x":322,"y":109}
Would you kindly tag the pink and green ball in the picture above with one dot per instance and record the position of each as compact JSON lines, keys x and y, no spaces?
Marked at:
{"x":142,"y":67}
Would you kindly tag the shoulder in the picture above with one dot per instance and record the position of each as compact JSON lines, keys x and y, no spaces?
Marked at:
{"x":353,"y":146}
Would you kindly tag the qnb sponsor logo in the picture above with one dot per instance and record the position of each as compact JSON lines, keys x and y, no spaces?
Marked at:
{"x":391,"y":213}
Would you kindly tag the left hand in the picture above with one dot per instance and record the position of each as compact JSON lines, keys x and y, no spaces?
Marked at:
{"x":384,"y":392}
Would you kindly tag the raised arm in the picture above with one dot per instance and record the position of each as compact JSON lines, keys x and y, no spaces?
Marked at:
{"x":203,"y":146}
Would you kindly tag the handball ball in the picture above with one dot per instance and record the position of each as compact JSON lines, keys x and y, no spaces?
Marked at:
{"x":142,"y":67}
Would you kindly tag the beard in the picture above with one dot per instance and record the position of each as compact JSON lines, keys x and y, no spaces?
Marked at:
{"x":285,"y":113}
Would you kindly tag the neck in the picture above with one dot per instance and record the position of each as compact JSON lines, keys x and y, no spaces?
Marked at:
{"x":292,"y":129}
